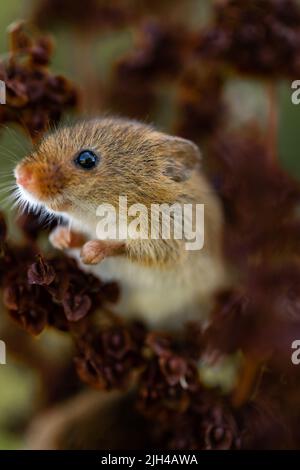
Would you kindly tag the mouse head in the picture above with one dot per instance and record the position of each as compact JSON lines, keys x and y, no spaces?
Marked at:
{"x":76,"y":168}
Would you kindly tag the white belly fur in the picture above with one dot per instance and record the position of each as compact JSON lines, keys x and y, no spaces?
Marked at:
{"x":162,"y":298}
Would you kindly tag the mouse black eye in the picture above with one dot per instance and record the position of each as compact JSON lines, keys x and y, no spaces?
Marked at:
{"x":87,"y":159}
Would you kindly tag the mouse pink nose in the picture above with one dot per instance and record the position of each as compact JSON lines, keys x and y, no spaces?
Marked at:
{"x":24,"y":176}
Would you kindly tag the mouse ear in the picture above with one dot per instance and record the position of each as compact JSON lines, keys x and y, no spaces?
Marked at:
{"x":181,"y":158}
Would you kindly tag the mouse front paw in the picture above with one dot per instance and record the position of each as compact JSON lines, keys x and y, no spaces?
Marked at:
{"x":63,"y":238}
{"x":94,"y":251}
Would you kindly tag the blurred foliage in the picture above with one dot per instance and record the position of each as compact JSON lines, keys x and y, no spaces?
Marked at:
{"x":18,"y":389}
{"x":289,"y":135}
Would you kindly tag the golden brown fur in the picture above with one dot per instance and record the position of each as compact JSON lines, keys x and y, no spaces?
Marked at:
{"x":148,"y":167}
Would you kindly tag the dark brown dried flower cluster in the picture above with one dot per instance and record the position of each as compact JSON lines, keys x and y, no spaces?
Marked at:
{"x":35,"y":97}
{"x":261,"y":241}
{"x":171,"y":394}
{"x":159,"y":53}
{"x":200,"y":104}
{"x":165,"y":53}
{"x":55,"y":292}
{"x":86,"y":17}
{"x":260,"y":37}
{"x":251,"y":186}
{"x":108,"y":359}
{"x":95,"y":15}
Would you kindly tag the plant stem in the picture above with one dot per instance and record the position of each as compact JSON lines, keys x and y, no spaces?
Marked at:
{"x":85,"y":70}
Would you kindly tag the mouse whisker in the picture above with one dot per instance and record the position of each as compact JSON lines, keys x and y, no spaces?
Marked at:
{"x":7,"y":179}
{"x":7,"y":182}
{"x":46,"y":218}
{"x":6,"y":188}
{"x":9,"y":154}
{"x":7,"y":201}
{"x":21,"y":142}
{"x":24,"y":202}
{"x":6,"y":176}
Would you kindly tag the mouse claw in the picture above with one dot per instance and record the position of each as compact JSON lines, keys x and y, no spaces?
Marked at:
{"x":63,"y":238}
{"x":93,"y":252}
{"x":60,"y":238}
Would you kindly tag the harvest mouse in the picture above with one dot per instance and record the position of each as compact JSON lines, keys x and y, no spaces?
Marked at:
{"x":78,"y":168}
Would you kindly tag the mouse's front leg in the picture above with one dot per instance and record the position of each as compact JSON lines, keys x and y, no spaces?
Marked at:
{"x":94,"y":251}
{"x":148,"y":252}
{"x":62,"y":238}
